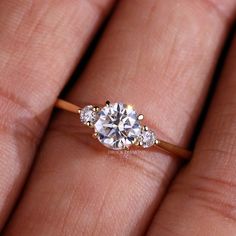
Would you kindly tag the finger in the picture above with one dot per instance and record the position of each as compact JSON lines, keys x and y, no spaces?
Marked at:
{"x":40,"y":43}
{"x":202,"y":199}
{"x":148,"y":58}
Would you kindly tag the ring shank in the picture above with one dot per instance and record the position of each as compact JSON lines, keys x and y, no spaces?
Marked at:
{"x":67,"y":106}
{"x":173,"y":149}
{"x":168,"y":147}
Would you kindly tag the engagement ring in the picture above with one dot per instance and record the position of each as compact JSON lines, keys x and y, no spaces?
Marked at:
{"x":118,"y":126}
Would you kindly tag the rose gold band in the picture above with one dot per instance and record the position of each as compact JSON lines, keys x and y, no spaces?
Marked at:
{"x":165,"y":146}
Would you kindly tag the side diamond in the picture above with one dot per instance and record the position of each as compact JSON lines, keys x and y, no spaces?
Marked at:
{"x":88,"y":115}
{"x":147,"y":138}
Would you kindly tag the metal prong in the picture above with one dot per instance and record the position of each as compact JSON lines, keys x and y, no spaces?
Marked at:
{"x":107,"y":103}
{"x":96,"y":108}
{"x":78,"y":111}
{"x":145,"y":128}
{"x":95,"y":135}
{"x":89,"y":124}
{"x":140,"y":117}
{"x":140,"y":143}
{"x":157,"y":141}
{"x":135,"y":142}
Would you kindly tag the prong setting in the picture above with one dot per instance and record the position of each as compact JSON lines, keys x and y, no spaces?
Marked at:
{"x":145,"y":128}
{"x":147,"y":137}
{"x":135,"y":142}
{"x":89,"y":115}
{"x":140,"y":143}
{"x":89,"y":124}
{"x":157,"y":141}
{"x":140,"y":117}
{"x":96,"y":109}
{"x":118,"y":126}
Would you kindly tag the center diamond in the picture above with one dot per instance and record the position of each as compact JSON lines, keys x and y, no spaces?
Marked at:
{"x":118,"y":126}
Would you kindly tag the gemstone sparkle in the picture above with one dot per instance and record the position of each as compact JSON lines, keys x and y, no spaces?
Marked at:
{"x":147,"y":138}
{"x":88,"y":115}
{"x":117,"y":126}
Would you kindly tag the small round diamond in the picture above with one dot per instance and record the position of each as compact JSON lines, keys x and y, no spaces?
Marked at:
{"x":147,"y":138}
{"x":118,"y":126}
{"x":88,"y":115}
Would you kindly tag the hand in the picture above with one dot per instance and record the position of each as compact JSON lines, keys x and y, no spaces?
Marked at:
{"x":159,"y":56}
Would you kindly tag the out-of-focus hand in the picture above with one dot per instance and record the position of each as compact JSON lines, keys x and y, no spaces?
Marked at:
{"x":159,"y":55}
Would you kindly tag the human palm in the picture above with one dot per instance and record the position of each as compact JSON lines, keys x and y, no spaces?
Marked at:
{"x":157,"y":55}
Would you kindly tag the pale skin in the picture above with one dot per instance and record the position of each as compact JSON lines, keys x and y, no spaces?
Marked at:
{"x":159,"y":56}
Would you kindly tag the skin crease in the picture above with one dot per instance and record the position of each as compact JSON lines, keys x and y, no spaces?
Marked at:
{"x":207,"y":184}
{"x":158,"y":55}
{"x":34,"y":35}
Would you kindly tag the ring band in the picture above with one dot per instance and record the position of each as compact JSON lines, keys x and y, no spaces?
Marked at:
{"x":117,"y":126}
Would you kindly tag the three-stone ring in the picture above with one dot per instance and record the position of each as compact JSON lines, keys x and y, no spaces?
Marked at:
{"x":118,"y":127}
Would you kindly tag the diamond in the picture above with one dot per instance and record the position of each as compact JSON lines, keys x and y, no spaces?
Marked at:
{"x":88,"y":115}
{"x":147,"y":138}
{"x":118,"y":126}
